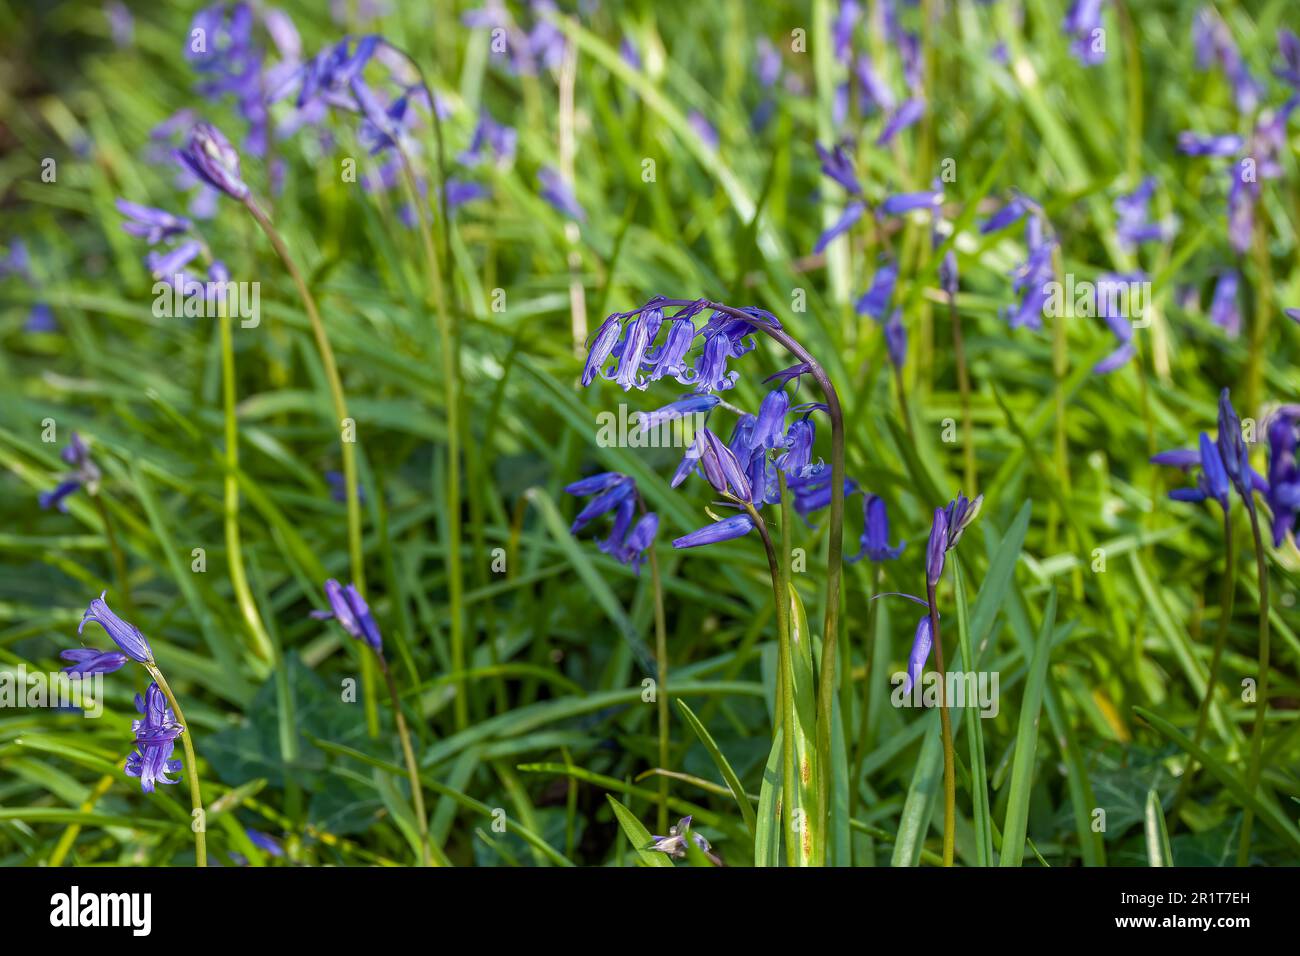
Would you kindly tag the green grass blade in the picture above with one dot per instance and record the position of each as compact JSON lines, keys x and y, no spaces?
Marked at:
{"x":1022,"y":770}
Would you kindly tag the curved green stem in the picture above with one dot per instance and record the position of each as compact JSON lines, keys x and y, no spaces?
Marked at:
{"x":1261,"y":689}
{"x":451,"y":392}
{"x":230,"y":511}
{"x":945,"y":722}
{"x":1220,"y":639}
{"x":200,"y":823}
{"x":347,"y":451}
{"x":785,"y":694}
{"x":412,"y":768}
{"x":826,"y":687}
{"x":661,"y":692}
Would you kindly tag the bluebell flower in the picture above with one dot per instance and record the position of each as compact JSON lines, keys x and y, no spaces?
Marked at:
{"x":1212,"y":483}
{"x":875,"y":533}
{"x":908,"y":202}
{"x":230,"y":63}
{"x":601,"y":347}
{"x":1288,"y":45}
{"x":793,"y":373}
{"x":1010,"y":213}
{"x":693,"y":404}
{"x":1030,"y":281}
{"x":1214,"y":43}
{"x":674,"y":845}
{"x":936,"y":547}
{"x":1233,"y":451}
{"x":629,"y":54}
{"x":125,"y":635}
{"x":83,"y":473}
{"x":837,"y":164}
{"x":922,"y":641}
{"x":1283,"y":494}
{"x":1119,"y":324}
{"x":1204,"y":144}
{"x":959,"y":515}
{"x":1225,"y":312}
{"x":876,"y":299}
{"x":559,"y":194}
{"x":722,"y":468}
{"x":17,"y":261}
{"x":769,"y":426}
{"x":210,"y":157}
{"x":40,"y":319}
{"x":151,"y":224}
{"x":711,"y":373}
{"x":490,"y":137}
{"x":846,"y":18}
{"x":851,"y":214}
{"x":948,"y":280}
{"x":896,"y":339}
{"x":616,"y":493}
{"x":155,"y":741}
{"x":1270,"y":139}
{"x":796,"y":460}
{"x":87,"y":660}
{"x":1242,"y":198}
{"x":813,"y":492}
{"x":165,"y":266}
{"x":1082,"y":22}
{"x":1135,"y":225}
{"x":121,"y":25}
{"x":264,"y":842}
{"x":725,"y":530}
{"x":349,"y":608}
{"x":670,"y":358}
{"x":873,"y":89}
{"x":460,"y":192}
{"x":767,"y":62}
{"x":907,"y":114}
{"x":703,"y":129}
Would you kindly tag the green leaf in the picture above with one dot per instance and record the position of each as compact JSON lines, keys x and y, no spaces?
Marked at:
{"x":1158,"y":852}
{"x":767,"y":840}
{"x":1022,"y":770}
{"x":1266,"y":810}
{"x":637,"y":835}
{"x":724,"y":768}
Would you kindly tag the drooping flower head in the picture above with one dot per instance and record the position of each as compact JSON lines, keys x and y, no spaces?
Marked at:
{"x":125,"y":635}
{"x":675,"y":843}
{"x":82,"y":473}
{"x":875,"y":533}
{"x":155,"y":740}
{"x":1212,"y":484}
{"x":210,"y":157}
{"x":1083,"y":23}
{"x":1283,"y":494}
{"x":349,"y":608}
{"x":87,"y":660}
{"x":922,"y":641}
{"x":616,"y":494}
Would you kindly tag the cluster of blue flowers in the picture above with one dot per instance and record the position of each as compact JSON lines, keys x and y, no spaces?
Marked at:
{"x":1224,"y":464}
{"x":636,"y":348}
{"x":84,"y":473}
{"x":157,"y":730}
